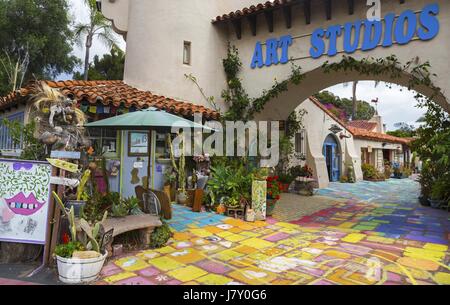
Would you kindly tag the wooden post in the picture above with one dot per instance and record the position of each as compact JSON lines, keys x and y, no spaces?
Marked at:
{"x":56,"y":220}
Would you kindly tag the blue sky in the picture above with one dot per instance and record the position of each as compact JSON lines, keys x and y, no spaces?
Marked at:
{"x":396,"y":104}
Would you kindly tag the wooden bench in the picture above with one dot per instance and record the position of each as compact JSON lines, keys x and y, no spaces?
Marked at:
{"x":144,"y":223}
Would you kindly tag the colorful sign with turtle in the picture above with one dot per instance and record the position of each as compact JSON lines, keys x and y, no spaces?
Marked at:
{"x":24,"y":201}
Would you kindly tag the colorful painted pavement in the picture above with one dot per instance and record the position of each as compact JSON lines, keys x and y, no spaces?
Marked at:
{"x":388,"y":239}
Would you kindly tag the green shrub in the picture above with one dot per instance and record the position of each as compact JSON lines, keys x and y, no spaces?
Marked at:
{"x":160,"y":236}
{"x":67,"y":250}
{"x":369,"y":171}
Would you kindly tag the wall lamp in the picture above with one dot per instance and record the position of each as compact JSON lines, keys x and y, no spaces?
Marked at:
{"x":344,"y":136}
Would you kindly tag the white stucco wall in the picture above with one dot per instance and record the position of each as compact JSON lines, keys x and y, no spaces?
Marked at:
{"x":318,"y":124}
{"x":156,"y":30}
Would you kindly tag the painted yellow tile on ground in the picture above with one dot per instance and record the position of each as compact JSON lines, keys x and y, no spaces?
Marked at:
{"x":424,"y":254}
{"x":381,"y":240}
{"x":213,"y":229}
{"x":354,"y":238}
{"x":235,"y":230}
{"x":245,"y":249}
{"x":165,"y":250}
{"x":235,"y":237}
{"x":187,"y":256}
{"x":131,"y":263}
{"x":226,"y":255}
{"x":435,"y":247}
{"x":118,"y":277}
{"x":214,"y":279}
{"x":224,"y":234}
{"x":165,"y":263}
{"x":346,"y":225}
{"x":337,"y":254}
{"x":419,"y":263}
{"x":246,"y":226}
{"x":187,"y":274}
{"x":201,"y":232}
{"x":181,"y":236}
{"x":250,"y":234}
{"x":257,"y":243}
{"x":442,"y":278}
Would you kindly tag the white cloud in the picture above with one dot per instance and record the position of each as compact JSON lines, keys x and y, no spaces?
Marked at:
{"x":396,"y":104}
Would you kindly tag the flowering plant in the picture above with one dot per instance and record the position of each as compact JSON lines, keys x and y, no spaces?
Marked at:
{"x":274,"y":188}
{"x":301,"y":171}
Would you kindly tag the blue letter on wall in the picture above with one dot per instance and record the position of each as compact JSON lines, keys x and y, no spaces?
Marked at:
{"x":284,"y":43}
{"x":400,"y":36}
{"x":257,"y":60}
{"x":332,"y":33}
{"x":271,"y":52}
{"x":350,"y":47}
{"x":318,"y":45}
{"x":371,"y":41}
{"x":429,"y":22}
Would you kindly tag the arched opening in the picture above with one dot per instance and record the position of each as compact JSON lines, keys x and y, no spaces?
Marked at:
{"x":332,"y":154}
{"x":319,"y":79}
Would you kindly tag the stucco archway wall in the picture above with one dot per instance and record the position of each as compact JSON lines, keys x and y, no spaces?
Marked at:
{"x":256,"y":80}
{"x":318,"y":80}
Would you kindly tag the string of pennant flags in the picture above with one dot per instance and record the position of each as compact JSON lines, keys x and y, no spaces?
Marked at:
{"x":101,"y":109}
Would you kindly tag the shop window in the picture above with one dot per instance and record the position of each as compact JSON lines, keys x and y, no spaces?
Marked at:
{"x":300,"y":142}
{"x":104,"y":141}
{"x":187,"y":53}
{"x":162,"y":146}
{"x":6,"y":141}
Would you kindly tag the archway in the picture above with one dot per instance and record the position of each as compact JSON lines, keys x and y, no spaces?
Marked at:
{"x":322,"y":78}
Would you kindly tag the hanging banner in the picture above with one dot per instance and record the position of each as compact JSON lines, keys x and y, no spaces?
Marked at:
{"x":67,"y":166}
{"x":24,"y":201}
{"x":259,"y":199}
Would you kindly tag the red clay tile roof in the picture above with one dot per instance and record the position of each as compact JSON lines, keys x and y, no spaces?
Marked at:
{"x":253,"y":10}
{"x":376,"y":136}
{"x":370,"y":126}
{"x":359,"y":133}
{"x":112,"y":92}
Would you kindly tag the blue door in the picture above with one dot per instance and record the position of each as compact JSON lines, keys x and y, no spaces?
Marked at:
{"x":332,"y":154}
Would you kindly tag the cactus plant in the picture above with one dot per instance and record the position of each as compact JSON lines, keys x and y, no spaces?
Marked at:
{"x":70,"y":215}
{"x":92,"y":232}
{"x":84,"y":180}
{"x":180,"y":168}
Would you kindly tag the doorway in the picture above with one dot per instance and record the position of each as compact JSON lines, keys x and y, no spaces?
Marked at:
{"x":332,"y":154}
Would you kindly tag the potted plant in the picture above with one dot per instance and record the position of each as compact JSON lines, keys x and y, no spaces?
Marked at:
{"x":285,"y":180}
{"x":80,"y":259}
{"x":182,"y":196}
{"x":170,"y":179}
{"x":80,"y":202}
{"x":273,"y":194}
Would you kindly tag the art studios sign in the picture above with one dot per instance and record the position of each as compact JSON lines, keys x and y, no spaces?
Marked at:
{"x":365,"y":35}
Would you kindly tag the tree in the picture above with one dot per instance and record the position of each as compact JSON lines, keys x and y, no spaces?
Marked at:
{"x":365,"y":111}
{"x":355,"y":102}
{"x":404,"y":130}
{"x":109,"y":67}
{"x":39,"y":30}
{"x":98,"y":26}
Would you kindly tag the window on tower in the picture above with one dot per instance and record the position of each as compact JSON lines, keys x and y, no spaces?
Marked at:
{"x":187,"y":53}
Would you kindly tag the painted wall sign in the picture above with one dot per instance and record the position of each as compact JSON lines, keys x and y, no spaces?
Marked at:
{"x":24,"y":201}
{"x":56,"y":154}
{"x":64,"y":181}
{"x":362,"y":35}
{"x":67,"y":166}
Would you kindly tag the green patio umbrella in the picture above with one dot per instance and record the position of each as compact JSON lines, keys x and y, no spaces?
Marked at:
{"x":147,"y":119}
